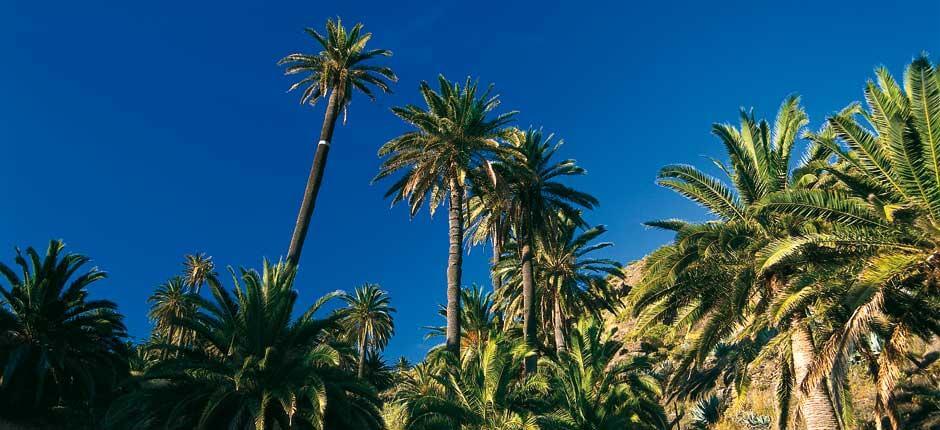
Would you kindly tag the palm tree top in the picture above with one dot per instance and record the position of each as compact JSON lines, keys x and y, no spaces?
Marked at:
{"x":368,"y":313}
{"x":533,"y":182}
{"x":198,"y":268}
{"x":454,"y":135}
{"x":342,"y":65}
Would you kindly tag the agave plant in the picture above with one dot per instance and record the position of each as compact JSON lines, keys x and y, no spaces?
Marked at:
{"x":256,"y":367}
{"x":707,"y":412}
{"x":62,"y":352}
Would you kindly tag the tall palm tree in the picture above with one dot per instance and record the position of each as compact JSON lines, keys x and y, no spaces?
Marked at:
{"x":339,"y":69}
{"x":719,"y":278}
{"x":577,"y":281}
{"x":886,"y":213}
{"x":368,"y":319}
{"x":62,"y":352}
{"x":454,"y":136}
{"x":596,"y":390}
{"x":256,"y":366}
{"x":536,"y":199}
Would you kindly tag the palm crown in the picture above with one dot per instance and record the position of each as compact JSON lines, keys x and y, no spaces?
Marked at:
{"x":368,"y":319}
{"x":535,"y":195}
{"x":256,"y":366}
{"x":454,"y":135}
{"x":341,"y":66}
{"x":58,"y":347}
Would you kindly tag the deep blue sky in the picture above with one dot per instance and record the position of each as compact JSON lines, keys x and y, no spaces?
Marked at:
{"x":141,"y":131}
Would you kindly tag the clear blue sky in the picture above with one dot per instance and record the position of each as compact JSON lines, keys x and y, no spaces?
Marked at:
{"x":141,"y":131}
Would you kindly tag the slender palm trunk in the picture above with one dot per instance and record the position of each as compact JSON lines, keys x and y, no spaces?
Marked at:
{"x":362,"y":356}
{"x":528,"y":304}
{"x":561,"y":344}
{"x":497,"y":252}
{"x":815,"y":406}
{"x":315,"y":178}
{"x":454,"y":267}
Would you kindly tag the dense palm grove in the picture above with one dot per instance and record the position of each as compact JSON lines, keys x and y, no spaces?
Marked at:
{"x":819,"y":272}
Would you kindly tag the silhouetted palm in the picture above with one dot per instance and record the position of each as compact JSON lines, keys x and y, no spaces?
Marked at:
{"x":170,"y":304}
{"x":62,"y":353}
{"x":256,"y":367}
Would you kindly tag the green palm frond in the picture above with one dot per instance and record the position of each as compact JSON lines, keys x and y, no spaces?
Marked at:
{"x":341,"y":66}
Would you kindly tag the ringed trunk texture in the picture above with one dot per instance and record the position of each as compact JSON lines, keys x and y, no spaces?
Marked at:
{"x":314,"y":179}
{"x":454,"y":263}
{"x":561,"y":344}
{"x":497,"y":252}
{"x":362,"y":357}
{"x":528,"y":305}
{"x":815,"y":406}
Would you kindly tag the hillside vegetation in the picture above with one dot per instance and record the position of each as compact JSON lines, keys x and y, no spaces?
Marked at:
{"x":805,"y":296}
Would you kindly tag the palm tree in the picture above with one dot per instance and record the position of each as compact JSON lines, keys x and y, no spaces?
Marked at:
{"x":339,"y":69}
{"x":197,"y":270}
{"x":536,"y":199}
{"x":368,"y":319}
{"x":62,"y":352}
{"x":487,"y":209}
{"x":256,"y":366}
{"x":487,"y":390}
{"x":719,"y":277}
{"x":377,"y":372}
{"x":454,"y":136}
{"x":597,"y":391}
{"x":885,"y":213}
{"x":577,"y":282}
{"x":170,"y":304}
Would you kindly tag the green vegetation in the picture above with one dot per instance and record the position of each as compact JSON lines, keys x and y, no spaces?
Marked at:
{"x":808,"y":299}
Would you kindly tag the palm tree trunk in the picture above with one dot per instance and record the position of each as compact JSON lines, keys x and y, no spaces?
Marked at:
{"x":454,"y":267}
{"x":362,"y":356}
{"x":561,"y":344}
{"x":315,"y":178}
{"x":497,"y":252}
{"x":528,"y":304}
{"x":815,"y":406}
